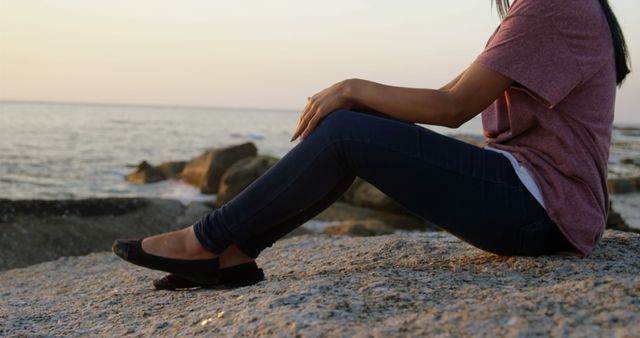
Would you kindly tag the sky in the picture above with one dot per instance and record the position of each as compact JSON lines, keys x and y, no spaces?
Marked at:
{"x":248,"y":53}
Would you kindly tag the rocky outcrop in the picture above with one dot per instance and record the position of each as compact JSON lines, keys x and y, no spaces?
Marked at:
{"x":341,"y":211}
{"x":35,"y":231}
{"x":413,"y":285}
{"x":206,"y":170}
{"x":362,"y":227}
{"x":240,"y":174}
{"x":10,"y":210}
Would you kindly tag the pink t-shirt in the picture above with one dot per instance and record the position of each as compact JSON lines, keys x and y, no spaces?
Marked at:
{"x":556,"y":118}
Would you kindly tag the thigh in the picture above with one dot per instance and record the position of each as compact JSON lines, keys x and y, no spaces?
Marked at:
{"x":471,"y":192}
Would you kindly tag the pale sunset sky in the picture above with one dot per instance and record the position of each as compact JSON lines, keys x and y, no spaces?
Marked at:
{"x":248,"y":53}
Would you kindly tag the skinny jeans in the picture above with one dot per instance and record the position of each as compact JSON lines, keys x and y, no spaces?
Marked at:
{"x":468,"y":191}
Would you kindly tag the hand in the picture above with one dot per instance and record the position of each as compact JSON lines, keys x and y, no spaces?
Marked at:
{"x":322,"y":104}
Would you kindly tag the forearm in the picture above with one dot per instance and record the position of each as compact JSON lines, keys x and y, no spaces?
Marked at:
{"x":416,"y":105}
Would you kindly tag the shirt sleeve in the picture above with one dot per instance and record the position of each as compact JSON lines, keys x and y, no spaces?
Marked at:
{"x":529,"y":50}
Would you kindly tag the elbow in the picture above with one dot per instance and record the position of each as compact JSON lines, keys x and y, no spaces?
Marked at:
{"x":455,"y":110}
{"x":454,"y":123}
{"x":458,"y":110}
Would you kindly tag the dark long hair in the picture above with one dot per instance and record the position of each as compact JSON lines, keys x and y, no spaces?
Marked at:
{"x":619,"y":44}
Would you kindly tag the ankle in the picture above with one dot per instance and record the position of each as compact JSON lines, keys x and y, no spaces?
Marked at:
{"x":193,"y":246}
{"x":233,"y":256}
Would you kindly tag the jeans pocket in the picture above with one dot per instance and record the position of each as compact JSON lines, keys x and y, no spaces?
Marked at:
{"x":541,"y":237}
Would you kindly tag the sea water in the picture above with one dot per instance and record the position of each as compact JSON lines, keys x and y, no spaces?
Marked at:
{"x":72,"y":151}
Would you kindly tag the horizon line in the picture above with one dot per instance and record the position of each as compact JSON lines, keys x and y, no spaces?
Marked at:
{"x":157,"y":105}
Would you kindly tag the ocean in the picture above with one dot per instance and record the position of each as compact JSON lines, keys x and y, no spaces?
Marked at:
{"x":73,"y":151}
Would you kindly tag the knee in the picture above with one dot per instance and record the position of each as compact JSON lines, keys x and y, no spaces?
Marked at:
{"x":337,"y":120}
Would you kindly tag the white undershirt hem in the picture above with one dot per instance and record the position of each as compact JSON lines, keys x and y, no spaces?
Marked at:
{"x":523,"y":173}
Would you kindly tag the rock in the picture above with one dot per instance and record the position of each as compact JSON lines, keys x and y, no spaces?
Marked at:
{"x":146,"y":173}
{"x":364,"y":194}
{"x":616,"y":222}
{"x":341,"y":211}
{"x":35,"y":231}
{"x":92,"y":207}
{"x":193,"y":212}
{"x":623,"y":185}
{"x":627,"y":161}
{"x":363,"y":227}
{"x":409,"y":285}
{"x":206,"y":170}
{"x":172,"y":170}
{"x":299,"y":231}
{"x":240,"y":174}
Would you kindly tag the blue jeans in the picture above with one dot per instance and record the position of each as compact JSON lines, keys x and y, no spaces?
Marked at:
{"x":468,"y":191}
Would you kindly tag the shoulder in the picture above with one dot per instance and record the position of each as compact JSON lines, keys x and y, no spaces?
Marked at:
{"x":557,"y":9}
{"x":531,"y":8}
{"x":582,"y":24}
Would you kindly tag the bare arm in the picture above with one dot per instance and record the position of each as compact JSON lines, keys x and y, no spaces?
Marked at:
{"x":451,"y":106}
{"x":452,"y":82}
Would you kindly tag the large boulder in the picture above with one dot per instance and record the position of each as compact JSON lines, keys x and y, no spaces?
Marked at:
{"x":206,"y":170}
{"x":241,"y":174}
{"x":146,"y":173}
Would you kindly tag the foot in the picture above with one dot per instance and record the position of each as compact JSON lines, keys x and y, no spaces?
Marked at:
{"x":183,"y":244}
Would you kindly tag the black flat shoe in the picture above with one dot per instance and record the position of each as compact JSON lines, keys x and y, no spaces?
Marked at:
{"x":234,"y":276}
{"x":203,"y":271}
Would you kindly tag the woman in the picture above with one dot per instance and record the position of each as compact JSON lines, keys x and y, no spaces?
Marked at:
{"x":545,"y":85}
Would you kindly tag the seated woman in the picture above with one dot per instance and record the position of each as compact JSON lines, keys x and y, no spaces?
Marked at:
{"x":545,"y":85}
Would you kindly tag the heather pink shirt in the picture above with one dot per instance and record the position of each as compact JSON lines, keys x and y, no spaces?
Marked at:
{"x":556,"y":118}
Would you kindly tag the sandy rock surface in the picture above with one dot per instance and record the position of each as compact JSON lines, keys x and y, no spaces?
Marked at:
{"x":410,"y":284}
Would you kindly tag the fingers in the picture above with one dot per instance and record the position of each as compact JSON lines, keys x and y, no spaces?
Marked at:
{"x":305,"y":117}
{"x":313,"y":122}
